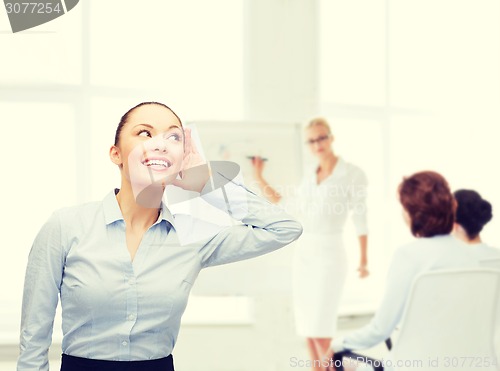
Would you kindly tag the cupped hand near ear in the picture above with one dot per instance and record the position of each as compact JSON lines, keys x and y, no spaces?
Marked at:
{"x":194,"y":172}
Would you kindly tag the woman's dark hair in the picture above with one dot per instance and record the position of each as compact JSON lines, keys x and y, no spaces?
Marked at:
{"x":473,"y":212}
{"x":428,"y":200}
{"x":125,"y":117}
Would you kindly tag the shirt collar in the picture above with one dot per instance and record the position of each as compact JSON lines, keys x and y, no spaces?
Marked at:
{"x":112,"y":212}
{"x":339,"y":170}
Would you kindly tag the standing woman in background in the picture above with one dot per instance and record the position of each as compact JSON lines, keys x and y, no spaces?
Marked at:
{"x":325,"y":197}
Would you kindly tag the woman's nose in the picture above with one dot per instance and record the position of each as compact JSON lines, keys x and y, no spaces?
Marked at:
{"x":159,"y":143}
{"x":317,"y":144}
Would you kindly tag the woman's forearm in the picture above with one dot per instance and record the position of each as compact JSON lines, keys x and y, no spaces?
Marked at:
{"x":267,"y":191}
{"x":363,"y":249}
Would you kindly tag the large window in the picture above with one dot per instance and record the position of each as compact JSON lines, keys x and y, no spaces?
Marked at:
{"x":423,"y":78}
{"x":191,"y":52}
{"x":39,"y":175}
{"x":64,"y":86}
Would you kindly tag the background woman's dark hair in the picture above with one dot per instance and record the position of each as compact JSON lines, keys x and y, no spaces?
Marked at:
{"x":125,"y":117}
{"x":473,"y":212}
{"x":428,"y":200}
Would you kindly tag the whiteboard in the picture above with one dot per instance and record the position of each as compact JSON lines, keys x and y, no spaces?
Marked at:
{"x":234,"y":141}
{"x":280,"y":143}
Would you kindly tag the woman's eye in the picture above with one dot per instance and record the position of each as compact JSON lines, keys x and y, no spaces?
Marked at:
{"x":144,"y":133}
{"x":174,"y":137}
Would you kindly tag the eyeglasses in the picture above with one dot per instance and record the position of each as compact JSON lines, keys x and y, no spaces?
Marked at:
{"x":318,"y":139}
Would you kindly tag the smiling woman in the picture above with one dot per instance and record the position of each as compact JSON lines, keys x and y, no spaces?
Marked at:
{"x":149,"y":150}
{"x":118,"y":265}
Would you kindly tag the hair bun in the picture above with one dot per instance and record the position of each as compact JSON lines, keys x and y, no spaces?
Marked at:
{"x":485,"y":213}
{"x":473,"y":212}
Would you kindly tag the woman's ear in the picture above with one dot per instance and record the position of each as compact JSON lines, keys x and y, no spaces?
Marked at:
{"x":115,"y":156}
{"x":407,"y":217}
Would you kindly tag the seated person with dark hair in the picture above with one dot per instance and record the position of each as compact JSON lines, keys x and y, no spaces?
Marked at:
{"x":473,"y":213}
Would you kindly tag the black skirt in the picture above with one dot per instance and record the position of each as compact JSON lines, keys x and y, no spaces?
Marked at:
{"x":70,"y":363}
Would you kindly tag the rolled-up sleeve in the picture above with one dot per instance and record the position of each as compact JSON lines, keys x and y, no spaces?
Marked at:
{"x":40,"y":297}
{"x":263,"y":226}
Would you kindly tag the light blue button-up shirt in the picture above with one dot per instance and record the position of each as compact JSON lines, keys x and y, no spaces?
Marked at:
{"x":117,"y":309}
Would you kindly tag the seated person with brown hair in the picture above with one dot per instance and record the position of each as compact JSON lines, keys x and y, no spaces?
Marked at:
{"x":429,"y":211}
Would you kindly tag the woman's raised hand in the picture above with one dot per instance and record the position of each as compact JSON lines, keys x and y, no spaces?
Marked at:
{"x":194,"y":172}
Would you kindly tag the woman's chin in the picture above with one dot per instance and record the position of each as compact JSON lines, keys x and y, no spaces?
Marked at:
{"x":150,"y":196}
{"x":141,"y":182}
{"x":149,"y":192}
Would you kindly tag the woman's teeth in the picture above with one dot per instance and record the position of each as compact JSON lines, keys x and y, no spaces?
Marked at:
{"x":157,"y":163}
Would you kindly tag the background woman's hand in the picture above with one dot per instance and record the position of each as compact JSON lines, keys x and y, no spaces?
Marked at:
{"x":363,"y":271}
{"x":194,"y":172}
{"x":258,"y":167}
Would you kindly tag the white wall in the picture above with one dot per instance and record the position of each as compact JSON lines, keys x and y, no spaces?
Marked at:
{"x":407,"y":85}
{"x":281,"y":55}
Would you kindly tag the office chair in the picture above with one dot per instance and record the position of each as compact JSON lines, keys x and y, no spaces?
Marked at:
{"x":493,"y":263}
{"x":449,"y":322}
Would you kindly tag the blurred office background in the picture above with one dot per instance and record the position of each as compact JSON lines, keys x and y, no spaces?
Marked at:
{"x":407,"y":85}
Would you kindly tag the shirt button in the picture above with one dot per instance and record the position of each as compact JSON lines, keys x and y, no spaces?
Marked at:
{"x":131,"y":317}
{"x":131,"y":281}
{"x":124,"y":343}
